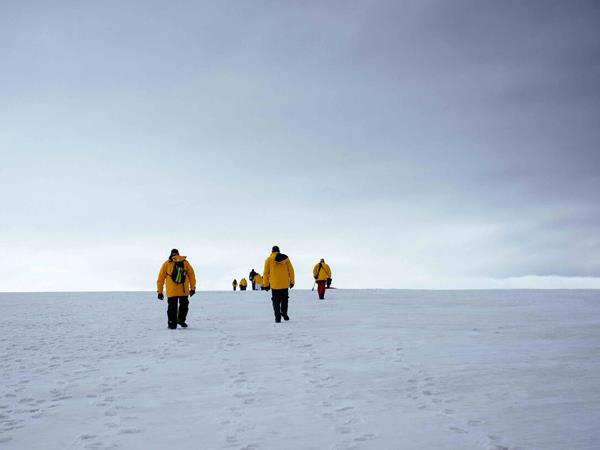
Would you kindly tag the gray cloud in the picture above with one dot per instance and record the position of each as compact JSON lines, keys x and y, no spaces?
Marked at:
{"x":419,"y":120}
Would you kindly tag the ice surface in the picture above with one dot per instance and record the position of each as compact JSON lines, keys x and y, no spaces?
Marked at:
{"x":363,"y":369}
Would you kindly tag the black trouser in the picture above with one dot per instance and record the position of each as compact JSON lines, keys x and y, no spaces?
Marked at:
{"x":242,"y":288}
{"x":253,"y":285}
{"x":175,"y":315}
{"x":280,"y":302}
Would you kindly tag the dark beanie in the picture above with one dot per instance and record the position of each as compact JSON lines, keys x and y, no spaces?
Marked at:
{"x":174,"y":252}
{"x":275,"y":249}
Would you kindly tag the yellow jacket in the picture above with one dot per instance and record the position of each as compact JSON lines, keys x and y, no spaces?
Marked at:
{"x":323,"y":273}
{"x":258,"y":279}
{"x":279,"y":272}
{"x":243,"y":282}
{"x":176,"y":289}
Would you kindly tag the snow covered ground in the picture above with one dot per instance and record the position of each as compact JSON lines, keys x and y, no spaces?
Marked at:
{"x":363,"y":369}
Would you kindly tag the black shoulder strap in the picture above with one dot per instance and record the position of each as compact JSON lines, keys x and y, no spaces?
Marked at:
{"x":318,"y":271}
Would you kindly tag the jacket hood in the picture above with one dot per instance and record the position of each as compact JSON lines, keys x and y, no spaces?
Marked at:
{"x":280,"y":258}
{"x":177,"y":258}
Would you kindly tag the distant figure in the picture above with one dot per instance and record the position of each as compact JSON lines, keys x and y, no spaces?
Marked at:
{"x":279,"y":276}
{"x":181,"y":281}
{"x":322,"y":275}
{"x":243,"y":284}
{"x":251,"y":276}
{"x":257,"y":282}
{"x":234,"y":284}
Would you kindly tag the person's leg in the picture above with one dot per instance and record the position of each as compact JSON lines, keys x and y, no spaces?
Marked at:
{"x":284,"y":304}
{"x":276,"y":298}
{"x":253,"y":285}
{"x":184,"y":304}
{"x":321,"y":289}
{"x":172,"y":311}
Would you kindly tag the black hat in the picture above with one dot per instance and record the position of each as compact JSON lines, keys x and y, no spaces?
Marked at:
{"x":174,"y":252}
{"x":275,"y":249}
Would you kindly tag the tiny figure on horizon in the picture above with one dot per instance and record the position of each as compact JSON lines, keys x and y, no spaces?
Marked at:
{"x":258,"y":280}
{"x":181,"y":282}
{"x":251,"y":277}
{"x":234,"y":284}
{"x":278,"y":276}
{"x":243,"y":284}
{"x":322,"y":276}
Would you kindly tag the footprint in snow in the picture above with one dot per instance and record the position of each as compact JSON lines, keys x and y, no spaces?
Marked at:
{"x":131,"y":431}
{"x":474,"y":423}
{"x":87,"y":437}
{"x":346,"y":408}
{"x":365,"y":437}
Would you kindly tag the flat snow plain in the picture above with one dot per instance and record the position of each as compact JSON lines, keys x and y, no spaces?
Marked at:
{"x":363,"y":369}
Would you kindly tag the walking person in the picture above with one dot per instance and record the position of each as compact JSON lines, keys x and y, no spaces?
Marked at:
{"x":251,"y":276}
{"x":278,"y":276}
{"x":181,"y":282}
{"x":257,"y":281}
{"x":322,"y":275}
{"x":243,"y":284}
{"x":234,"y":284}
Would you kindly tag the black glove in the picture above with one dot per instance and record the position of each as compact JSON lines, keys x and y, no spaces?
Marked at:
{"x":291,"y":285}
{"x":329,"y":280}
{"x":161,"y":296}
{"x":267,"y":288}
{"x":192,"y":292}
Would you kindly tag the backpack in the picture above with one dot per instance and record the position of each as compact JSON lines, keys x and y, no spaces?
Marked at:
{"x":179,"y":273}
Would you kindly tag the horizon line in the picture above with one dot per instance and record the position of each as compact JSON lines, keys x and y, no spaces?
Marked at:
{"x":307,"y":289}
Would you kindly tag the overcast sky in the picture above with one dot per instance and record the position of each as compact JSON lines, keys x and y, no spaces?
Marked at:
{"x":412,"y":144}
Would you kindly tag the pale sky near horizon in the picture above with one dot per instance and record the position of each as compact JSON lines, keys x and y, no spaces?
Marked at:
{"x":412,"y":144}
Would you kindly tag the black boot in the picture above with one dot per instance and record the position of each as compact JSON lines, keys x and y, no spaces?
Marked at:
{"x":172,"y":325}
{"x":182,"y":324}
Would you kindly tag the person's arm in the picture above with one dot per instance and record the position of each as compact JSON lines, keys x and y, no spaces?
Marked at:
{"x":315,"y":271}
{"x":191,"y":278}
{"x":328,"y":270}
{"x":162,"y":276}
{"x":266,"y":273}
{"x":291,"y":272}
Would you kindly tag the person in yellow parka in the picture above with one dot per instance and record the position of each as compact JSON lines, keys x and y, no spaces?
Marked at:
{"x":322,"y":276}
{"x":181,"y":282}
{"x":278,"y":276}
{"x":258,"y":280}
{"x":243,"y":284}
{"x":234,"y":284}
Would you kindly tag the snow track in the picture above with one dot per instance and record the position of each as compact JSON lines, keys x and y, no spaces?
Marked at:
{"x":486,"y":370}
